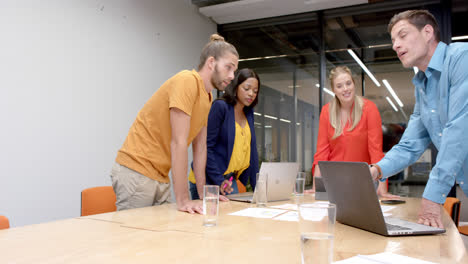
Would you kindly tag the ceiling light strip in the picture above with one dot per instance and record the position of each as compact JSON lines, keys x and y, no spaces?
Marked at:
{"x":391,"y":103}
{"x":271,"y":117}
{"x":392,"y":92}
{"x":356,"y":58}
{"x":460,"y":37}
{"x":328,"y":91}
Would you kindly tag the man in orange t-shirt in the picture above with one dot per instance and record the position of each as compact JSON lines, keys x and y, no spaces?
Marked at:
{"x":174,"y":117}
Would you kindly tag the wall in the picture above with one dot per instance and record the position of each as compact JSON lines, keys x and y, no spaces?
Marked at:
{"x":74,"y":74}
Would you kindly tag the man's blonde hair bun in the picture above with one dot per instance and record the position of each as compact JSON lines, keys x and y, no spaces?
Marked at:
{"x":216,"y":37}
{"x":216,"y":48}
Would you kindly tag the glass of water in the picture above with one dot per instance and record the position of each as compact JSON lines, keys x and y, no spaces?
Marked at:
{"x":317,"y":225}
{"x":261,"y":190}
{"x":210,"y":205}
{"x":300,"y":184}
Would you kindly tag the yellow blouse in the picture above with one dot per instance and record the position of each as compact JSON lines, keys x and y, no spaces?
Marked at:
{"x":240,"y":157}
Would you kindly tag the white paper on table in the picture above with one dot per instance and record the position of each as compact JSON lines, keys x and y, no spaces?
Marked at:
{"x":383,"y":258}
{"x":315,"y":215}
{"x":322,"y":202}
{"x":286,"y":206}
{"x":355,"y":260}
{"x":291,"y":216}
{"x":386,"y":208}
{"x":259,"y":212}
{"x":399,"y":259}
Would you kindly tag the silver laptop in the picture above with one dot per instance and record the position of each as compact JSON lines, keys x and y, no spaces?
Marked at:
{"x":280,"y":182}
{"x":350,"y":186}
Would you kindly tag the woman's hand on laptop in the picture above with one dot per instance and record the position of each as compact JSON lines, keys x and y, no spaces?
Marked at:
{"x":317,"y":174}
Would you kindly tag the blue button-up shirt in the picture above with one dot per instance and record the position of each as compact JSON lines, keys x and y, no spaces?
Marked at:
{"x":441,"y":116}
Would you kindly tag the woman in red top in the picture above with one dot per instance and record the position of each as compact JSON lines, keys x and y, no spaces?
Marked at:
{"x":350,"y":127}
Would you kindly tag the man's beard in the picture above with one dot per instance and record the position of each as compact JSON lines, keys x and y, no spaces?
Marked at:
{"x":216,"y":80}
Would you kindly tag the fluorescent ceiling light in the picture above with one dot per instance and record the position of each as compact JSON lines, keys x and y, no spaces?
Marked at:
{"x":274,"y":118}
{"x":391,"y":103}
{"x":292,"y":86}
{"x":356,"y":58}
{"x":263,"y":58}
{"x":298,"y":124}
{"x":258,"y":124}
{"x":328,"y":91}
{"x":460,"y":37}
{"x":389,"y":88}
{"x":267,"y":126}
{"x":415,"y":69}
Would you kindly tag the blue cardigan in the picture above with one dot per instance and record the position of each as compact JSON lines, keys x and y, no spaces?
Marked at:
{"x":220,"y":143}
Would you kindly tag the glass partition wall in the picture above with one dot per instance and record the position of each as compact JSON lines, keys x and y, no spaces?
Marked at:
{"x":287,"y":63}
{"x":286,"y":52}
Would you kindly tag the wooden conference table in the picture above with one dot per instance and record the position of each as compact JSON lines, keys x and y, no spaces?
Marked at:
{"x":161,"y":234}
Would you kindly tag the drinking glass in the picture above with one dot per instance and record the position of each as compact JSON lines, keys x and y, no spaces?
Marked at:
{"x":317,"y":225}
{"x":210,"y":205}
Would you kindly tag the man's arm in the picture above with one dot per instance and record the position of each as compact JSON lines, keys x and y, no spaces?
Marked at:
{"x":199,"y":160}
{"x":413,"y":143}
{"x":180,"y":126}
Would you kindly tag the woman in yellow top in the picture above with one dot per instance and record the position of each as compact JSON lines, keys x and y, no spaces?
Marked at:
{"x":231,"y":142}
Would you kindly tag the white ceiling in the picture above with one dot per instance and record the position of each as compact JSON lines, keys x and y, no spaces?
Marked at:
{"x":244,"y":10}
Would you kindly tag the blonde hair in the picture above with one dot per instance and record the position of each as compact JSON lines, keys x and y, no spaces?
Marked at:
{"x":216,"y":48}
{"x":335,"y":105}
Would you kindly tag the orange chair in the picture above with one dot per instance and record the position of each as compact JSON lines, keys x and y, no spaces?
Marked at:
{"x":4,"y":223}
{"x":98,"y":200}
{"x":241,"y":187}
{"x":452,"y":206}
{"x":463,"y":230}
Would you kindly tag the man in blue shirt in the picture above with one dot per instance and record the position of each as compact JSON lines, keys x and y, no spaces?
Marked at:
{"x":440,"y":112}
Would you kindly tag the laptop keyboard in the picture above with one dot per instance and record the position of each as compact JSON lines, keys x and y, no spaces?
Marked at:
{"x":391,"y":227}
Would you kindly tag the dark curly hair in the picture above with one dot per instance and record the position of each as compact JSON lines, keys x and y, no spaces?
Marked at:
{"x":230,"y":94}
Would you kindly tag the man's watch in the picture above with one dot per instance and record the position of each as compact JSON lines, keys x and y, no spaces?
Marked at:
{"x":379,"y":170}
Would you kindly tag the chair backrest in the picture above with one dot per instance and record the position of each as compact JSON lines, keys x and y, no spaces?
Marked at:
{"x":452,"y":206}
{"x":4,"y":223}
{"x":98,"y":200}
{"x":241,"y":187}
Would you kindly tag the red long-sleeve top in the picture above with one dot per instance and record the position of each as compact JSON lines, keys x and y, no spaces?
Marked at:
{"x":363,"y":143}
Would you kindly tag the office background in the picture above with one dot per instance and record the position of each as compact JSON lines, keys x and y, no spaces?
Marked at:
{"x":75,"y":74}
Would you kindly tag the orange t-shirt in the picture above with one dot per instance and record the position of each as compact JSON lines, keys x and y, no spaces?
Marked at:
{"x":363,"y":143}
{"x":147,"y":148}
